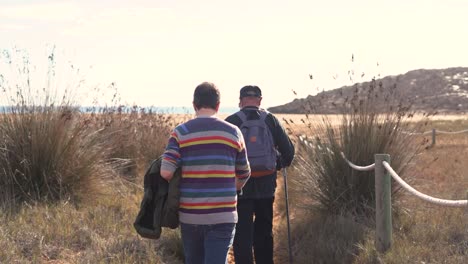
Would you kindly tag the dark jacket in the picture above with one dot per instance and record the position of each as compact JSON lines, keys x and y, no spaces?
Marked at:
{"x":160,"y":204}
{"x":264,"y":187}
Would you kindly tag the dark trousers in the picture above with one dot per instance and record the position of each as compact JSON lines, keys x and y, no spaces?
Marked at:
{"x":254,"y":229}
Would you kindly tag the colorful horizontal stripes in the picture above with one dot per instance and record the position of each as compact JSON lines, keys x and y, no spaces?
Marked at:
{"x":209,"y":140}
{"x":212,"y":155}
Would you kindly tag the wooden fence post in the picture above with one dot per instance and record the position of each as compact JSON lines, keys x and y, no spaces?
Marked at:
{"x":433,"y":137}
{"x":383,"y":205}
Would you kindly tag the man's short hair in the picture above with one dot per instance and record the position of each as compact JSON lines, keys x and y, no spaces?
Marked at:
{"x":250,"y":90}
{"x":206,"y":95}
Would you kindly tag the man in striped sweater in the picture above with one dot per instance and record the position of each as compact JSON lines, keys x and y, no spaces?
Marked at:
{"x":214,"y":165}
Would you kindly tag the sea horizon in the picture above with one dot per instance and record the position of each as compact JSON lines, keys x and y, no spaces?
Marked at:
{"x":154,"y":109}
{"x":189,"y":110}
{"x":172,"y":109}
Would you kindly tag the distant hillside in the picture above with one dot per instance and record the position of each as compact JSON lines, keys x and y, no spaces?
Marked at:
{"x":443,"y":90}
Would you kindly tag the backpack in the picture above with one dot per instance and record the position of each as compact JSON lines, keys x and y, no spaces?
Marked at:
{"x":258,"y":139}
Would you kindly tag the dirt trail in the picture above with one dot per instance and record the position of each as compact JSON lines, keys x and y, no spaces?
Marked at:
{"x":280,"y":223}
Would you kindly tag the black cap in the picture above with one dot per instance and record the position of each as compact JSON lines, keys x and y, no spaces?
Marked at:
{"x":250,"y":90}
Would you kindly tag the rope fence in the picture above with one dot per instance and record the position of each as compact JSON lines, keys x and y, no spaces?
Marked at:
{"x":434,"y":132}
{"x":406,"y":186}
{"x":452,"y":132}
{"x":422,"y":195}
{"x":383,"y":173}
{"x":437,"y":131}
{"x":356,"y":167}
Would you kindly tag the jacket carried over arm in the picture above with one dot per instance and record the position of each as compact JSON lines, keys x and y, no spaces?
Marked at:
{"x":264,"y":187}
{"x":160,"y":204}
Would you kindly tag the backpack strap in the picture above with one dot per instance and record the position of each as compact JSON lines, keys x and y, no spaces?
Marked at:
{"x":263,"y":114}
{"x":243,"y":117}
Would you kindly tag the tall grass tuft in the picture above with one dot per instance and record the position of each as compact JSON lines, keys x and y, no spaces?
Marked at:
{"x":138,"y":136}
{"x":48,"y":151}
{"x":374,"y":120}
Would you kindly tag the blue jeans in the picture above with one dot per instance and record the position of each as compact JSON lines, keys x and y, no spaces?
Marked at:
{"x":207,"y":244}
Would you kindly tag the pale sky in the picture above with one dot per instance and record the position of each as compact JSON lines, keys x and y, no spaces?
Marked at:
{"x":158,"y":51}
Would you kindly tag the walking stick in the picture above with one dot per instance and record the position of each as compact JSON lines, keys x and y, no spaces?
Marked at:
{"x":287,"y":214}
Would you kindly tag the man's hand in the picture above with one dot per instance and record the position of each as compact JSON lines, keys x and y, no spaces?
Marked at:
{"x":167,"y":175}
{"x":279,"y":163}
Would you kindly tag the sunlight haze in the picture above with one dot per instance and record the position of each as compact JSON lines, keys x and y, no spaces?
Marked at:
{"x":158,"y":51}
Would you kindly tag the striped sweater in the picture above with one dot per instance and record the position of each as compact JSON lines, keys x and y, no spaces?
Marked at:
{"x":212,"y":155}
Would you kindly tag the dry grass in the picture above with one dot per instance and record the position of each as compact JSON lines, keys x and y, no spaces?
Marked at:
{"x":93,"y":233}
{"x":101,"y":231}
{"x":299,"y":123}
{"x":137,"y":136}
{"x":98,"y":228}
{"x":422,"y":232}
{"x":65,"y":191}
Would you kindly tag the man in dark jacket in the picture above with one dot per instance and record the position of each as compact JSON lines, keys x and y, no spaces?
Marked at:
{"x":257,"y":196}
